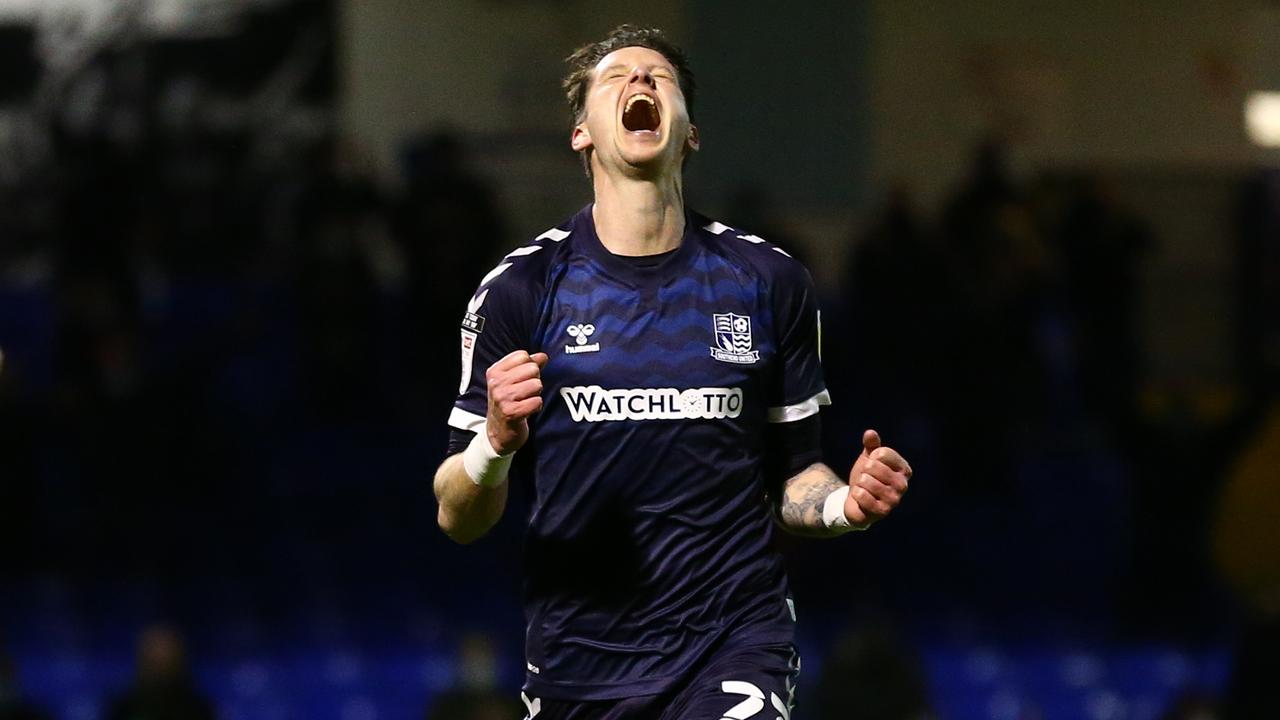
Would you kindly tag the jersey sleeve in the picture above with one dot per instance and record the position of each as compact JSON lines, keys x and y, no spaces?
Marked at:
{"x":798,"y":389}
{"x":498,"y":321}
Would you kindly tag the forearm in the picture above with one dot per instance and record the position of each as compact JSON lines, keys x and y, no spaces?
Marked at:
{"x":467,"y":510}
{"x":799,"y":509}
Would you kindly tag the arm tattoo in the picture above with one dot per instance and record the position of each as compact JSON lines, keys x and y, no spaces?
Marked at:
{"x":799,"y":510}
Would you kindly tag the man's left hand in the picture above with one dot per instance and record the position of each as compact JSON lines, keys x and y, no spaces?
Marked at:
{"x":877,"y":482}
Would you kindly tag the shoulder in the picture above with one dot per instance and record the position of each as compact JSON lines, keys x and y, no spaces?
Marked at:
{"x":752,"y":253}
{"x":521,"y":276}
{"x":529,"y":263}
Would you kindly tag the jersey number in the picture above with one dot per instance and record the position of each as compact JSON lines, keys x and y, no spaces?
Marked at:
{"x":754,"y":703}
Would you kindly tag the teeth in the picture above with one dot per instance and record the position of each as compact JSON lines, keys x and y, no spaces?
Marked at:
{"x":636,"y":98}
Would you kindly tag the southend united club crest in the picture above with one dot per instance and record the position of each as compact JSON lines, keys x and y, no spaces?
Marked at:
{"x":733,"y":339}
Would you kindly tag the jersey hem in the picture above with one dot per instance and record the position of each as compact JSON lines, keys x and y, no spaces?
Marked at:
{"x":537,"y":686}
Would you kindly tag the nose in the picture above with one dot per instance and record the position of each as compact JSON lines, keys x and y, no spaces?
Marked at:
{"x":641,"y":75}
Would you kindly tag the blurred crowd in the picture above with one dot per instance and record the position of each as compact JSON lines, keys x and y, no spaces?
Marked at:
{"x":230,"y":350}
{"x":186,"y":328}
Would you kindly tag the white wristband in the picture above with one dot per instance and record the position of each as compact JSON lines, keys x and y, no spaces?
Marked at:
{"x":833,"y":511}
{"x":483,"y":464}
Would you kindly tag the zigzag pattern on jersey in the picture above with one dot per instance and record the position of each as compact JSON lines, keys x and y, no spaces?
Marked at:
{"x":665,"y":354}
{"x":692,"y":334}
{"x":604,"y":301}
{"x":599,"y":308}
{"x":652,"y":344}
{"x":710,"y":272}
{"x":580,"y":286}
{"x":657,"y":374}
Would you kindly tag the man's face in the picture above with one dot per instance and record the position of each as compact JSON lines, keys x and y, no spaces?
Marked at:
{"x":636,"y":120}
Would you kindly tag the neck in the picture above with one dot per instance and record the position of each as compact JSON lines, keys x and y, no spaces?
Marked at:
{"x":636,"y":216}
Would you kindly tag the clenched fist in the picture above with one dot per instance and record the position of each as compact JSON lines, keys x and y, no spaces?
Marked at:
{"x":515,"y":393}
{"x":877,"y":482}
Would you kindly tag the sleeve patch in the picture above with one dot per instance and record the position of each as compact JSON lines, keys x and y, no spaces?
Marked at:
{"x":468,"y":355}
{"x":473,"y":322}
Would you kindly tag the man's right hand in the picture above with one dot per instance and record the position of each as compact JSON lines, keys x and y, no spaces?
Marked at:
{"x":515,"y":393}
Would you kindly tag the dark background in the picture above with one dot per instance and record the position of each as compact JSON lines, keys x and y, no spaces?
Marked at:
{"x":236,"y":239}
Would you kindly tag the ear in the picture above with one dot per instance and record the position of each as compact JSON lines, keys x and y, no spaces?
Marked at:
{"x":692,"y":142}
{"x":580,"y":139}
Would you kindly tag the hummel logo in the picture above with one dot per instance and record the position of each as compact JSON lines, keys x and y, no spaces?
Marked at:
{"x":580,"y":333}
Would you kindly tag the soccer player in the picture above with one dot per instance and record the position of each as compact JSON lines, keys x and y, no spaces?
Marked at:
{"x":657,"y":373}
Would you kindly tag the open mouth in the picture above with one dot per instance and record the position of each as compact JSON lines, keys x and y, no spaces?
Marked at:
{"x":641,"y":113}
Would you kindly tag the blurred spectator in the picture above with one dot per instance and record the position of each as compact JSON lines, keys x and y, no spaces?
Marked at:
{"x":995,"y":279}
{"x":475,"y":705}
{"x":870,"y":674}
{"x":339,"y":220}
{"x":896,"y":248}
{"x":475,"y":696}
{"x":1192,"y":704}
{"x":1247,"y":538}
{"x":1256,"y":283}
{"x":751,"y":208}
{"x":1101,"y":244}
{"x":452,"y":232}
{"x":1246,"y":542}
{"x":1251,"y":692}
{"x":12,"y":705}
{"x":18,"y":497}
{"x":163,"y":688}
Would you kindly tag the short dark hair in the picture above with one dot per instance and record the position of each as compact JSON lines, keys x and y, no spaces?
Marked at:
{"x":584,"y":60}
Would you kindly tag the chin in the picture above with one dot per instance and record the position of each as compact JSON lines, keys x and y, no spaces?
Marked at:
{"x":651,"y":169}
{"x":648,"y":160}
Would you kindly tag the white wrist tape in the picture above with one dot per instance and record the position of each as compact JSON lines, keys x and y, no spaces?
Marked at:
{"x":483,"y":464}
{"x":833,"y":510}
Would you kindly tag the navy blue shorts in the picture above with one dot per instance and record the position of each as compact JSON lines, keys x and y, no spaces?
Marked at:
{"x":738,"y":683}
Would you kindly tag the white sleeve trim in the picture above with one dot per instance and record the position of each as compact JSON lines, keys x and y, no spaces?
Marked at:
{"x":554,"y":234}
{"x":526,"y":250}
{"x":801,"y":410}
{"x":463,"y":420}
{"x":494,"y":273}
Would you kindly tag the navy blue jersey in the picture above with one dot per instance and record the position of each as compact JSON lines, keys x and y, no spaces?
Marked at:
{"x":650,"y":536}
